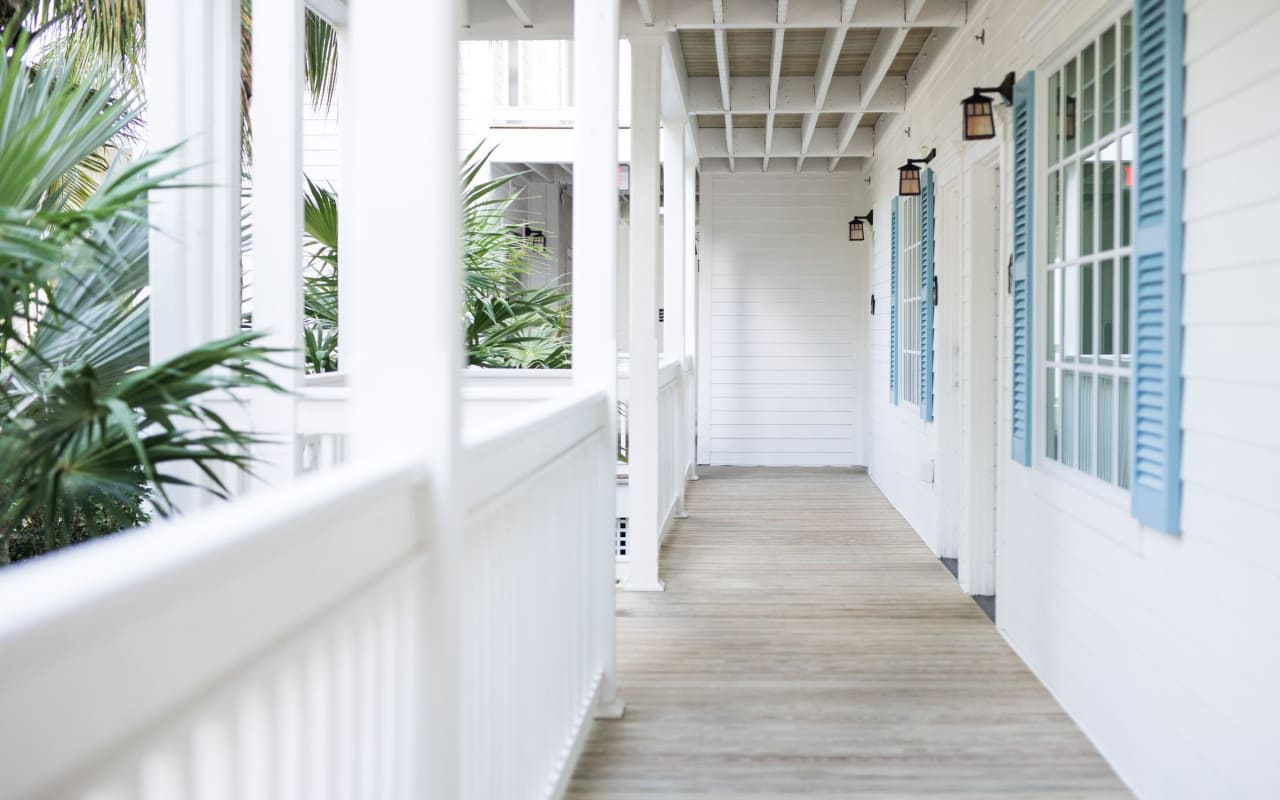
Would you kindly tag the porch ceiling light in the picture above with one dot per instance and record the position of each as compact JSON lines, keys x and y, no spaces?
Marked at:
{"x":857,"y":232}
{"x":979,"y":120}
{"x":909,"y":175}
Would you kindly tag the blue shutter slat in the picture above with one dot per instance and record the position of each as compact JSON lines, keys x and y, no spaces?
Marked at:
{"x":1023,"y":184}
{"x":927,"y":212}
{"x":893,"y":308}
{"x":1157,"y":264}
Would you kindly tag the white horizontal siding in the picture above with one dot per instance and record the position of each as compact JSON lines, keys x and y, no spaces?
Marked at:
{"x":780,"y":339}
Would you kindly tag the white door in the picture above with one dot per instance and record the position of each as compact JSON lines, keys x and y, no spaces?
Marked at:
{"x":782,"y":294}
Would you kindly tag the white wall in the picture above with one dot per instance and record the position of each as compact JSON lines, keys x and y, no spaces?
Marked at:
{"x":1165,"y":649}
{"x":782,"y":307}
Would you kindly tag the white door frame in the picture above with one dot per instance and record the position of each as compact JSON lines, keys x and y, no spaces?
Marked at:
{"x":982,"y":287}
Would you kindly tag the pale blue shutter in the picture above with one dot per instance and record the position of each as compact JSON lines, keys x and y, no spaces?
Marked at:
{"x":1157,"y":255}
{"x":893,"y":307}
{"x":927,"y":215}
{"x":1023,"y":185}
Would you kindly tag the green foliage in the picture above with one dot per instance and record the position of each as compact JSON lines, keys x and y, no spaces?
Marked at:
{"x":505,"y":323}
{"x":90,"y":433}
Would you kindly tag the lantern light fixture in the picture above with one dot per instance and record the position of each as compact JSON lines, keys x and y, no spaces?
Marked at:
{"x":979,"y":119}
{"x":909,"y":174}
{"x":857,"y":231}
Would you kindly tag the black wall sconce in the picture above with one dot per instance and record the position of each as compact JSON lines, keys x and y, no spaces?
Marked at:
{"x":873,"y":305}
{"x":857,"y":231}
{"x":909,"y":174}
{"x":1069,"y":119}
{"x":935,"y":291}
{"x":979,"y":119}
{"x":534,"y":236}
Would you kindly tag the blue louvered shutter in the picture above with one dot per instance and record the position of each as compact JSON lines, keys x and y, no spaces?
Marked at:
{"x":928,"y":211}
{"x":893,"y":308}
{"x":1157,"y":254}
{"x":1023,"y":185}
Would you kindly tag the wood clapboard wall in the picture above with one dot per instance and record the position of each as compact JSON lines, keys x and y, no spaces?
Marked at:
{"x":782,"y":292}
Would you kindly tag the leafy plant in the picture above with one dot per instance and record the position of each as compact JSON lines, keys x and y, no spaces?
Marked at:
{"x":505,"y":323}
{"x":90,"y":433}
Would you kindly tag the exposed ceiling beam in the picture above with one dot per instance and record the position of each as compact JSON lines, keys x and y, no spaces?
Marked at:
{"x":646,"y":11}
{"x":796,"y":95}
{"x":749,"y":143}
{"x":817,"y":14}
{"x":832,"y":41}
{"x":873,"y":74}
{"x":728,"y":139}
{"x":544,"y":171}
{"x":722,"y":68}
{"x":912,"y":9}
{"x":775,"y":75}
{"x":523,"y":9}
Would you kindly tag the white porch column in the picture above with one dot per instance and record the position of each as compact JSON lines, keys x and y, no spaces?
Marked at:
{"x":642,"y":456}
{"x":193,"y":103}
{"x":691,"y":297}
{"x":400,"y":172}
{"x":277,"y":215}
{"x":673,"y":279}
{"x":595,"y":252}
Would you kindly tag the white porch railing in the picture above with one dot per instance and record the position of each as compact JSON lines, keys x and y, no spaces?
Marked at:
{"x":279,"y":647}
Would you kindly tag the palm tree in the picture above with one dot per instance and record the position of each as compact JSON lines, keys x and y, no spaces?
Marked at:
{"x":89,"y":430}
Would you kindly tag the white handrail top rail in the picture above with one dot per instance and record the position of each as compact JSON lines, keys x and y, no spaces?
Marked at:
{"x":500,"y":457}
{"x":668,"y":372}
{"x":115,"y":633}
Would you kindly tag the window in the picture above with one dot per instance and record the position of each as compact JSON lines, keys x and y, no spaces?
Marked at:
{"x":909,"y":299}
{"x":1088,"y":373}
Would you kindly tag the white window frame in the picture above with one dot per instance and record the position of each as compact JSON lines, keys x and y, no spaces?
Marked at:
{"x":1097,"y":368}
{"x":910,"y":248}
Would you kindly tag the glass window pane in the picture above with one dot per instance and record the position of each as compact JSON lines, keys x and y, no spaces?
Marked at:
{"x":1126,"y":189}
{"x":1053,"y":413}
{"x":1054,"y":243}
{"x":1056,"y":331}
{"x":1088,"y":181}
{"x":1106,"y":310}
{"x":1069,"y":110}
{"x":1125,"y":309}
{"x":1071,"y":313}
{"x":1086,"y":312}
{"x":1124,"y":432}
{"x":1126,"y":68}
{"x":1107,"y":84}
{"x":1088,"y":94}
{"x":1052,"y":344}
{"x":1084,"y":423}
{"x":1106,"y":202}
{"x":1068,"y":425}
{"x":1071,"y":210}
{"x":1055,"y":118}
{"x":1106,"y":427}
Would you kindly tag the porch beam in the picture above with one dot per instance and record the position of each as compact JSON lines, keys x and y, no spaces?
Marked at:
{"x":775,"y":75}
{"x":846,"y":10}
{"x":646,"y":11}
{"x":595,"y":242}
{"x":400,"y":413}
{"x":795,"y":95}
{"x":645,"y":248}
{"x":722,"y":68}
{"x":818,"y":14}
{"x":912,"y":9}
{"x":832,"y":42}
{"x":523,"y":11}
{"x":750,"y":143}
{"x":873,"y":73}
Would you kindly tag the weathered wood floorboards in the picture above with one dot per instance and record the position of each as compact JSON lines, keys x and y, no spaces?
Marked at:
{"x":810,"y":645}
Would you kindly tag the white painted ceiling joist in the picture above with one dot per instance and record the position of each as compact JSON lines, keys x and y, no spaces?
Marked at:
{"x":333,"y":11}
{"x":523,"y":10}
{"x":832,"y":42}
{"x":646,"y":11}
{"x":749,"y":143}
{"x":796,"y":95}
{"x":873,"y":73}
{"x":816,"y":14}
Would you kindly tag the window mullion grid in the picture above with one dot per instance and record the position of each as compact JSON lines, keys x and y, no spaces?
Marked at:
{"x":1117,"y":273}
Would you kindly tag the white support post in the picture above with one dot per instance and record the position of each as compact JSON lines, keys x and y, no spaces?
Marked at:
{"x":400,"y":168}
{"x":673,"y":278}
{"x":595,"y":244}
{"x":642,"y":457}
{"x":691,"y":295}
{"x":277,"y":213}
{"x":193,"y":104}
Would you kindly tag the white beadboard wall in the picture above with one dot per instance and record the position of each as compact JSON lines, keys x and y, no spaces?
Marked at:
{"x":782,"y":294}
{"x":1164,"y":649}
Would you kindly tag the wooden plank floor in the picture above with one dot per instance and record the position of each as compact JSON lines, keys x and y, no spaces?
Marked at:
{"x":810,"y":645}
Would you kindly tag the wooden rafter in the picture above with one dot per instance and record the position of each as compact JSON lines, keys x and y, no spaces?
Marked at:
{"x":832,"y":41}
{"x":523,"y":10}
{"x":646,"y":11}
{"x":775,"y":74}
{"x":873,"y":74}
